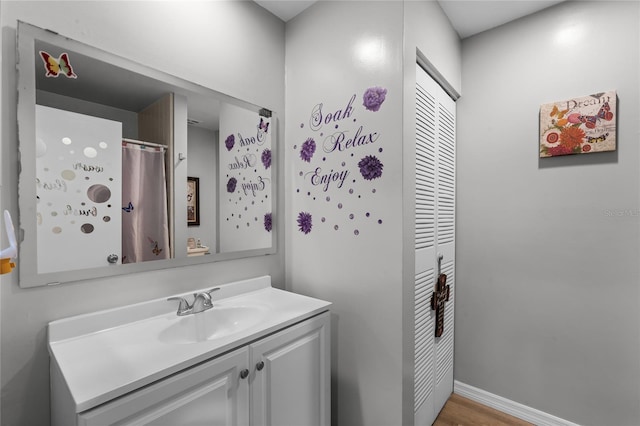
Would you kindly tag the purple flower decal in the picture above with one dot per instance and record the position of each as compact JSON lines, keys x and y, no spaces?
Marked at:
{"x":230,"y":142}
{"x":304,"y":222}
{"x":374,"y":97}
{"x":267,"y":222}
{"x":370,"y":167}
{"x":307,"y":150}
{"x":266,"y":158}
{"x":231,"y":185}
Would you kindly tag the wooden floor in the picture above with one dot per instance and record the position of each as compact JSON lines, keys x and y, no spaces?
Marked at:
{"x":460,"y":411}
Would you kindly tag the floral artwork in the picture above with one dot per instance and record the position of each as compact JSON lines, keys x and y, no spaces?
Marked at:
{"x":578,"y":126}
{"x":374,"y":97}
{"x":267,"y":222}
{"x":308,"y":149}
{"x":370,"y":167}
{"x":266,"y":158}
{"x":230,"y":142}
{"x":304,"y":222}
{"x":231,"y":185}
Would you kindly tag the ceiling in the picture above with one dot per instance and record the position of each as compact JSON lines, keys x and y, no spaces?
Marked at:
{"x":468,"y":17}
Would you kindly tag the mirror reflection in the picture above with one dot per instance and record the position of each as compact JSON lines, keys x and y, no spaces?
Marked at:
{"x":133,"y":166}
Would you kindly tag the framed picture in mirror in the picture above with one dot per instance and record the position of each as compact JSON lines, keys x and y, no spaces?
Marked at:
{"x":193,"y":203}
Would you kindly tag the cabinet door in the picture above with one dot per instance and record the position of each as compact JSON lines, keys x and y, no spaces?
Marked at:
{"x":211,"y":394}
{"x":291,"y":376}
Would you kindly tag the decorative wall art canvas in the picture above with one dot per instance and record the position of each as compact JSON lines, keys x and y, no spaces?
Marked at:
{"x":193,"y":201}
{"x":578,"y":126}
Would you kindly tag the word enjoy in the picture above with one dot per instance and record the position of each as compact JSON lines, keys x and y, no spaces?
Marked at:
{"x":318,"y":118}
{"x":254,"y":186}
{"x":317,"y":178}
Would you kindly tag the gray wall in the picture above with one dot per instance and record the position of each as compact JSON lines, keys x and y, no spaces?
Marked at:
{"x":548,"y":303}
{"x":361,"y":275}
{"x":234,"y":47}
{"x":203,"y":157}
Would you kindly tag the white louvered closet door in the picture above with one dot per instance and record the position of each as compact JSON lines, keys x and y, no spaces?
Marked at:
{"x":435,"y":236}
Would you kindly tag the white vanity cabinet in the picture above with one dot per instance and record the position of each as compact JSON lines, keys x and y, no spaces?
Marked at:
{"x":209,"y":394}
{"x":290,"y":383}
{"x":258,"y":356}
{"x":280,"y":380}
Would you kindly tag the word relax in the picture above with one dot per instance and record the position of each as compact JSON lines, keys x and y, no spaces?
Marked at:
{"x":247,"y":161}
{"x":340,"y":141}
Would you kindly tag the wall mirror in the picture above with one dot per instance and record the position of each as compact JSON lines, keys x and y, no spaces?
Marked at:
{"x":126,"y":169}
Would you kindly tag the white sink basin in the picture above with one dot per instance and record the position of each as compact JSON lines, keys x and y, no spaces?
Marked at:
{"x":217,"y":322}
{"x":107,"y":354}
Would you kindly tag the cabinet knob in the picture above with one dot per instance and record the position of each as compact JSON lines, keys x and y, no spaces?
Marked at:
{"x":260,"y":366}
{"x":244,"y":374}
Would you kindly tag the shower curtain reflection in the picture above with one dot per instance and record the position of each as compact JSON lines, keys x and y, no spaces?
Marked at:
{"x":145,"y":229}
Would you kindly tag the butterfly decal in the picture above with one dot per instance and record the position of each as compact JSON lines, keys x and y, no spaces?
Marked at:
{"x":55,"y":67}
{"x":156,"y":250}
{"x":128,"y":208}
{"x":263,"y":128}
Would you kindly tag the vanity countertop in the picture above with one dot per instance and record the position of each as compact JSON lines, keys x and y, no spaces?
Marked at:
{"x":107,"y":354}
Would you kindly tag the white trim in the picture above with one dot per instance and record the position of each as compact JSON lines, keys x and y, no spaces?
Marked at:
{"x":433,"y":72}
{"x":512,"y":408}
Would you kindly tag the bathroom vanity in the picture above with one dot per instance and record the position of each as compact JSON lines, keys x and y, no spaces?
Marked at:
{"x":260,"y":356}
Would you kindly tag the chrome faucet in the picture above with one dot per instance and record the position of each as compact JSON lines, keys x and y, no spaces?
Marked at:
{"x":201,"y":302}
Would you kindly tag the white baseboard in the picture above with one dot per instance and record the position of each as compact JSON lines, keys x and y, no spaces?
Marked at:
{"x":512,"y":408}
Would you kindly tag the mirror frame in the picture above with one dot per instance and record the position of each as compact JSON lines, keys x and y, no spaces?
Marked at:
{"x":28,"y":275}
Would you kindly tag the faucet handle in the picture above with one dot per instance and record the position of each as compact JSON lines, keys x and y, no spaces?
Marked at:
{"x":203,"y":301}
{"x":208,"y":293}
{"x":206,"y":297}
{"x":212,"y":290}
{"x":184,"y":307}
